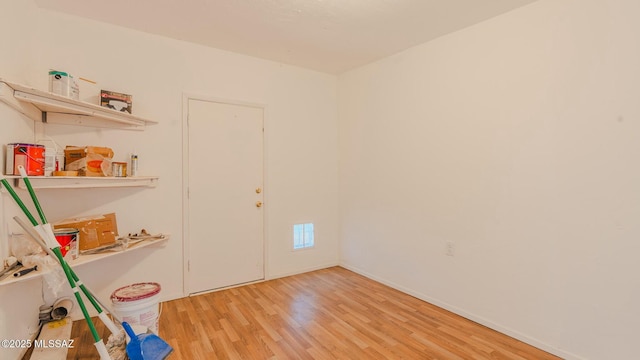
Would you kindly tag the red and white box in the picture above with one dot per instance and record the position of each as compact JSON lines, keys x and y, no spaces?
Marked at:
{"x":31,"y":156}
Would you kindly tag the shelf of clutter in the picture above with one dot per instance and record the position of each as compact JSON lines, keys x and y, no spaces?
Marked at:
{"x":83,"y":182}
{"x":56,"y":109}
{"x":85,"y":258}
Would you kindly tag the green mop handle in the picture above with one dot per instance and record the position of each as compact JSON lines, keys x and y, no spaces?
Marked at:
{"x":19,"y":202}
{"x":56,"y":251}
{"x":25,"y":178}
{"x":54,"y":245}
{"x":88,"y":294}
{"x":76,"y":292}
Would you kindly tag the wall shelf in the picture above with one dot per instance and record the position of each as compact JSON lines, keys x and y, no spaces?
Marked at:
{"x":84,"y":182}
{"x":55,"y":109}
{"x":84,"y":259}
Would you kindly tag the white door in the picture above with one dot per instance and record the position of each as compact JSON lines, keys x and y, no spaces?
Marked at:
{"x":225,"y":179}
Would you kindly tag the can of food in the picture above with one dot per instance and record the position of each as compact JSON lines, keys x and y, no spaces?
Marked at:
{"x":68,"y":240}
{"x":119,"y":169}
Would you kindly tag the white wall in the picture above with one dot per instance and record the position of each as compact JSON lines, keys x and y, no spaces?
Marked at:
{"x":518,"y":140}
{"x":18,"y":302}
{"x":301,"y":179}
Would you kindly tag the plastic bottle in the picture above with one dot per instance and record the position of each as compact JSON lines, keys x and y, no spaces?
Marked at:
{"x":133,"y":171}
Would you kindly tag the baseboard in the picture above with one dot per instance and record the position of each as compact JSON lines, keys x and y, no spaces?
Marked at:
{"x":302,"y":271}
{"x":267,"y":278}
{"x":172,"y":296}
{"x":478,"y":319}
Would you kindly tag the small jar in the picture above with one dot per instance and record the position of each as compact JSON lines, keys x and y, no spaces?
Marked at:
{"x":119,"y":169}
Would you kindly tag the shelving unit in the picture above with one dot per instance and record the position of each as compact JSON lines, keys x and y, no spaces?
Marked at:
{"x":83,"y":182}
{"x":55,"y":109}
{"x":44,"y":106}
{"x":85,"y":259}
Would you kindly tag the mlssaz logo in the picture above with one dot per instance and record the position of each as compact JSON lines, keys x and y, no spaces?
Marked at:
{"x":53,"y":344}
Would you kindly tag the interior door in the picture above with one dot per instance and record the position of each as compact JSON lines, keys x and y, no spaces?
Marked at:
{"x":225,"y":194}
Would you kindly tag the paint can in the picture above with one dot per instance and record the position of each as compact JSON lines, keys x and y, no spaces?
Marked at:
{"x":62,"y":83}
{"x":68,"y":240}
{"x":30,"y":156}
{"x":119,"y":169}
{"x":138,"y":304}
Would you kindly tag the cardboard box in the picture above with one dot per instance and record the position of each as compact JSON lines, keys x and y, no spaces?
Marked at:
{"x":88,"y":160}
{"x":95,"y":231}
{"x":115,"y":100}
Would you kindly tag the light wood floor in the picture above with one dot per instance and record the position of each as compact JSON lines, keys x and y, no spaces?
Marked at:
{"x":326,"y":314}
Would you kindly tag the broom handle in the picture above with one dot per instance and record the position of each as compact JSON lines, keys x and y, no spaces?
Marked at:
{"x":76,"y":292}
{"x":25,"y":178}
{"x":94,"y":300}
{"x":19,"y":202}
{"x":57,"y":253}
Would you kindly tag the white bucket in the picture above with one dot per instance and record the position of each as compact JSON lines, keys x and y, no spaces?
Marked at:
{"x":62,"y":83}
{"x":138,"y":304}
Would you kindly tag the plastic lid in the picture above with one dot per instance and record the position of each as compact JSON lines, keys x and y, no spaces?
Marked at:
{"x":135,"y":292}
{"x":65,"y":231}
{"x":27,"y":144}
{"x":53,"y":72}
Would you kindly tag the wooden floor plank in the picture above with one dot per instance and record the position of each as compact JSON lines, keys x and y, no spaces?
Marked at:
{"x":326,"y":314}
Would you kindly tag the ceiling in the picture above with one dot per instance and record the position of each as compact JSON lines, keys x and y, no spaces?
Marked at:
{"x":330,"y":36}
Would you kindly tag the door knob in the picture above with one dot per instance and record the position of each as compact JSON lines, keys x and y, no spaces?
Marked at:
{"x":258,"y":203}
{"x":258,"y":190}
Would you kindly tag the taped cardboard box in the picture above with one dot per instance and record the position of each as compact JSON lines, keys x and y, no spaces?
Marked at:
{"x":95,"y":231}
{"x":88,"y":160}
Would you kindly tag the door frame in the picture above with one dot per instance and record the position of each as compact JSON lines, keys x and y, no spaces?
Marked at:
{"x":186,"y":244}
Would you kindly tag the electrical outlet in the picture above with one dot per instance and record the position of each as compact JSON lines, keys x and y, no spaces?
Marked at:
{"x":450,"y":248}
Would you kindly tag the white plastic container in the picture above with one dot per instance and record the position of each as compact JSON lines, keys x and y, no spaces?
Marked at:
{"x":138,"y":304}
{"x":53,"y":161}
{"x":62,"y":83}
